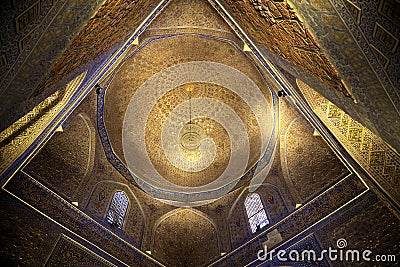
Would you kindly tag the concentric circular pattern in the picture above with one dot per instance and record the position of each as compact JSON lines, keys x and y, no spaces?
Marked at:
{"x":214,"y":165}
{"x":191,"y":131}
{"x":219,"y":160}
{"x":190,"y":137}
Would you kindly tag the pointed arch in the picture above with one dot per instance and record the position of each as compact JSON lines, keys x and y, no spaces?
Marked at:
{"x":99,"y":200}
{"x":256,"y":215}
{"x":201,"y":235}
{"x":117,"y":209}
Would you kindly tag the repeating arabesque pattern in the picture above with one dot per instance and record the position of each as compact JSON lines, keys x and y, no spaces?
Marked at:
{"x":276,"y":25}
{"x":307,"y":215}
{"x":370,"y":151}
{"x":25,"y":131}
{"x":114,"y":22}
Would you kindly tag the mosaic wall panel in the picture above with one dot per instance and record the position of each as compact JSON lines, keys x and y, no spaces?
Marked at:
{"x":308,"y":162}
{"x":298,"y":221}
{"x":274,"y":205}
{"x":371,"y":152}
{"x":348,"y":46}
{"x":191,"y":14}
{"x":34,"y":49}
{"x":26,"y":237}
{"x":67,"y":158}
{"x":106,"y":177}
{"x":184,"y":16}
{"x":19,"y":136}
{"x":71,"y":217}
{"x":99,"y":201}
{"x":218,"y":211}
{"x":373,"y":229}
{"x":367,"y":225}
{"x":373,"y":14}
{"x":68,"y":252}
{"x":276,"y":26}
{"x":19,"y":20}
{"x":114,"y":22}
{"x":93,"y":183}
{"x":186,"y":238}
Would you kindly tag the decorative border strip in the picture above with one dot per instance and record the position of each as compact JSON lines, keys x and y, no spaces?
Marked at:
{"x":361,"y":40}
{"x":71,"y":241}
{"x":354,"y":10}
{"x":339,"y":124}
{"x":72,"y":219}
{"x":94,"y":76}
{"x":304,"y":219}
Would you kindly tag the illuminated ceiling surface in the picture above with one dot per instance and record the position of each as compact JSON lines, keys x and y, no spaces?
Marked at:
{"x":188,"y":105}
{"x":186,"y":110}
{"x":195,"y":123}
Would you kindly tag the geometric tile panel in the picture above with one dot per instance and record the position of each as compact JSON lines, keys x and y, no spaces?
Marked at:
{"x":20,"y":135}
{"x":365,"y":147}
{"x":390,"y":9}
{"x":68,"y":252}
{"x":28,"y":17}
{"x":355,"y":134}
{"x":370,"y":151}
{"x":334,"y":112}
{"x":385,"y":37}
{"x":389,"y":170}
{"x":377,"y":158}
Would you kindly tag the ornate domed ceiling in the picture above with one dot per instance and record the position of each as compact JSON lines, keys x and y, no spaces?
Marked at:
{"x":184,"y":111}
{"x":189,"y":116}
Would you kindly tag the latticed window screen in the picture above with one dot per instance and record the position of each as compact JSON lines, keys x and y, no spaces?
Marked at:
{"x":116,"y":212}
{"x":255,"y":212}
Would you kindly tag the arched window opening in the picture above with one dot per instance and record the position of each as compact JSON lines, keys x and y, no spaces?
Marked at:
{"x":255,"y":212}
{"x":116,"y":211}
